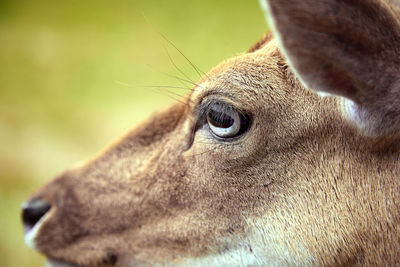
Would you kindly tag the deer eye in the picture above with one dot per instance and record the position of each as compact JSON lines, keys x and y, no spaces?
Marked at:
{"x":225,"y":121}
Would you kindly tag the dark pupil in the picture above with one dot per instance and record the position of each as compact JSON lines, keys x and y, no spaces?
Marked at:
{"x":220,"y":119}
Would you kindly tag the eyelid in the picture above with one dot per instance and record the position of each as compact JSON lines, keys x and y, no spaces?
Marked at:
{"x":210,"y":100}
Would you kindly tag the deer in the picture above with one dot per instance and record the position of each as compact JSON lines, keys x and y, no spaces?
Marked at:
{"x":284,"y":155}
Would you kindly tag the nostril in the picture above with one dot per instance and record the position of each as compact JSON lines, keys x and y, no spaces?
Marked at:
{"x":33,"y":211}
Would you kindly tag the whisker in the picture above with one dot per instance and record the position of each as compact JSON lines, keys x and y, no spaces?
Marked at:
{"x":199,"y":72}
{"x":168,"y":86}
{"x":154,"y":86}
{"x":176,"y":77}
{"x":176,"y":67}
{"x":162,"y":92}
{"x":174,"y":98}
{"x":170,"y":92}
{"x":181,"y":79}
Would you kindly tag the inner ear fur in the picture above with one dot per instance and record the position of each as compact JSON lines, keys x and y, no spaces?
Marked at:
{"x":348,"y":48}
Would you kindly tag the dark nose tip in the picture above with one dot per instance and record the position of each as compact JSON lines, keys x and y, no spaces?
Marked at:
{"x":33,"y":211}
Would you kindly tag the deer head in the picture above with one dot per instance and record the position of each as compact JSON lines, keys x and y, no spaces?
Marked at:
{"x":256,"y":168}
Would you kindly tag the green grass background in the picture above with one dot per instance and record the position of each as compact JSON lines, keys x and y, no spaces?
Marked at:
{"x":73,"y":76}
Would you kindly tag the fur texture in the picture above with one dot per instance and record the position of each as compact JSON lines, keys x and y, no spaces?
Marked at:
{"x":304,"y":185}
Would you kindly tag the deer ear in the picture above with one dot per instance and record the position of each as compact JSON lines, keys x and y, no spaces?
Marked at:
{"x":349,"y":48}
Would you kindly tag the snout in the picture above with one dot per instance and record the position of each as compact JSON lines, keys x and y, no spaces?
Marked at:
{"x":55,"y":226}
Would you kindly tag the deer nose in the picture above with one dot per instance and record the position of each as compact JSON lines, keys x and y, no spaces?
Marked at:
{"x":33,"y":211}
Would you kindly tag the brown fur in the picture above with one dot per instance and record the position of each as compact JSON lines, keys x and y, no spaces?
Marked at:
{"x":167,"y":192}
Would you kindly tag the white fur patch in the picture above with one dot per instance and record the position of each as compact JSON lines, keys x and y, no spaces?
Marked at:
{"x":324,"y":94}
{"x":266,"y":243}
{"x":359,"y":117}
{"x":241,"y":256}
{"x":275,"y":245}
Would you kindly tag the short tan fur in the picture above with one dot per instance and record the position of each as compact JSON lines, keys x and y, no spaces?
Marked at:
{"x":312,"y":181}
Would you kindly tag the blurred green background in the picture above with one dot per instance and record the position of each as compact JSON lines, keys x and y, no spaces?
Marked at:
{"x":73,"y":77}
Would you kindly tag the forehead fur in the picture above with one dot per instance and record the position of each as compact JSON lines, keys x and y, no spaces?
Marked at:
{"x":250,"y":69}
{"x":261,"y":74}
